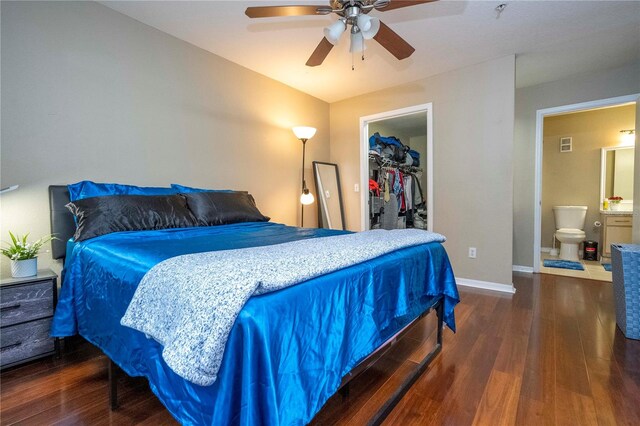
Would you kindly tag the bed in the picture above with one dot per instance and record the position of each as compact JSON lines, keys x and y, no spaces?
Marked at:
{"x":288,"y":352}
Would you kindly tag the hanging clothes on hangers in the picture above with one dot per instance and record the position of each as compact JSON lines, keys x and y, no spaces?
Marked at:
{"x":408,"y":199}
{"x":387,"y":194}
{"x":374,"y":187}
{"x":400,"y":202}
{"x":389,"y":217}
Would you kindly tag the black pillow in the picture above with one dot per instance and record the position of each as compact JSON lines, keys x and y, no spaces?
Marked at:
{"x":220,"y":208}
{"x":104,"y":215}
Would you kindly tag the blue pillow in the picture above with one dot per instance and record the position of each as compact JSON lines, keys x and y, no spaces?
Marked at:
{"x":188,"y":189}
{"x":88,"y":189}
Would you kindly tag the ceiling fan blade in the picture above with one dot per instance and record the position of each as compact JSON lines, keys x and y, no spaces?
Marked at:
{"x":321,"y":52}
{"x":273,"y":11}
{"x":391,"y":41}
{"x":397,"y":4}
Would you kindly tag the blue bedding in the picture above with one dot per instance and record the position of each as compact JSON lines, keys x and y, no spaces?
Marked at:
{"x":288,"y":350}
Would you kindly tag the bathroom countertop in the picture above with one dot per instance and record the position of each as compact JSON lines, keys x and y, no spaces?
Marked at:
{"x":617,"y":212}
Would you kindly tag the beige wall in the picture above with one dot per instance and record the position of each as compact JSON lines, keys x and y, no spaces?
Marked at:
{"x":473,"y":134}
{"x":578,"y":88}
{"x":88,"y":93}
{"x":573,"y":178}
{"x":636,"y":185}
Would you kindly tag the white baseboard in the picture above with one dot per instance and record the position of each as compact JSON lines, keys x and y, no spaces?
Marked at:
{"x":486,"y":285}
{"x":520,"y":268}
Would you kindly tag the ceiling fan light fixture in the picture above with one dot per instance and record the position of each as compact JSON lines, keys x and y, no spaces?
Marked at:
{"x":370,"y":28}
{"x":357,"y":42}
{"x":364,"y":22}
{"x":350,"y":13}
{"x":334,"y":31}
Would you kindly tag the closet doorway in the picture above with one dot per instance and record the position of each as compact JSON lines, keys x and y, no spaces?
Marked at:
{"x":408,"y":177}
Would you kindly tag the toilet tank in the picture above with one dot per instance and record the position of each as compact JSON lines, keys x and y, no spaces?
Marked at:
{"x":571,"y":217}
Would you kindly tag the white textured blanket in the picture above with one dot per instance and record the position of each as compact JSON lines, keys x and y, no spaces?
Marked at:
{"x":189,"y":303}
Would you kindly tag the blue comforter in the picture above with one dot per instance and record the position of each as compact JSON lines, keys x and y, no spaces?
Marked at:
{"x":288,"y":350}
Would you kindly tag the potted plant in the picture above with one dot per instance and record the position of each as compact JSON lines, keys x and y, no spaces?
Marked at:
{"x":23,"y":254}
{"x":614,"y":202}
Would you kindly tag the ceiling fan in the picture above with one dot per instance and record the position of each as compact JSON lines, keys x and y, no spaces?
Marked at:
{"x":350,"y":12}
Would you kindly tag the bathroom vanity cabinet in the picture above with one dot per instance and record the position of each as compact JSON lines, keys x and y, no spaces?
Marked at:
{"x":616,"y":229}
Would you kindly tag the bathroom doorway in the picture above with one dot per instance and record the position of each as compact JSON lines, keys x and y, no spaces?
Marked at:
{"x":408,"y":134}
{"x":577,"y":150}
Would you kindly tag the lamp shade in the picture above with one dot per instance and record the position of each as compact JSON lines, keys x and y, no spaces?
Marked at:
{"x":306,"y":198}
{"x":303,"y":132}
{"x":369,"y":26}
{"x":357,"y":42}
{"x":334,"y":31}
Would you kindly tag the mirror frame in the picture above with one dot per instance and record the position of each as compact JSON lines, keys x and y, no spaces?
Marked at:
{"x":320,"y":204}
{"x":603,"y":167}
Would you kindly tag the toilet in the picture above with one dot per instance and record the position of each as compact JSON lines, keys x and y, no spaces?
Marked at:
{"x":569,"y":229}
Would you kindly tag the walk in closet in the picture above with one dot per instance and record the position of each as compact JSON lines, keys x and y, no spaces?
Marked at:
{"x":397,"y":179}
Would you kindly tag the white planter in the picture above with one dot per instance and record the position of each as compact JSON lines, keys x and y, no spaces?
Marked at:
{"x":615,"y":206}
{"x":24,"y":268}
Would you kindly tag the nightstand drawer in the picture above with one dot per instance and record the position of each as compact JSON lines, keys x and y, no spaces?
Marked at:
{"x":23,"y":341}
{"x":26,"y":302}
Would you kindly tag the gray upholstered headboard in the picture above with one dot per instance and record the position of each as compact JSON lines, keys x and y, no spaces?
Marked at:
{"x":62,"y":223}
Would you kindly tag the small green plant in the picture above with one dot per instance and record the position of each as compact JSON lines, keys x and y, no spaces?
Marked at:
{"x":21,"y":249}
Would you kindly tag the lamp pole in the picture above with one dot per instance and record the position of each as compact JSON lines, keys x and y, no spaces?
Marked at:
{"x":304,"y":133}
{"x":304,"y":185}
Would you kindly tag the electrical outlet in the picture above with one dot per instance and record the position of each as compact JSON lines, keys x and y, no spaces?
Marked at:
{"x":472,"y":252}
{"x":356,"y":187}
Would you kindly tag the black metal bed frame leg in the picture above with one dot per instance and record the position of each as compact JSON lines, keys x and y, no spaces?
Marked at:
{"x":388,"y":406}
{"x":440,"y":313}
{"x":113,"y":385}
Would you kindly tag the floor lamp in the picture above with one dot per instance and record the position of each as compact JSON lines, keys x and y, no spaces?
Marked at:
{"x":306,"y":198}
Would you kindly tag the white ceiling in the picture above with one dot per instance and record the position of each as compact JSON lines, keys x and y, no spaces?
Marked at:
{"x":552,"y":39}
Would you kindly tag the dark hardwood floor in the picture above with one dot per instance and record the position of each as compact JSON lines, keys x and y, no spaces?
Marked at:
{"x":550,"y":354}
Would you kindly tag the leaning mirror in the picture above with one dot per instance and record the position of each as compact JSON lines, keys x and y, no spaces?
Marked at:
{"x":616,"y":177}
{"x":330,"y":209}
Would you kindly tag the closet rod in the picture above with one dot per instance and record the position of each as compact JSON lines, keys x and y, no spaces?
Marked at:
{"x":390,"y":164}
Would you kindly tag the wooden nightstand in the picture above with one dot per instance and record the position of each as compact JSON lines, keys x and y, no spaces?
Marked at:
{"x":26,"y":311}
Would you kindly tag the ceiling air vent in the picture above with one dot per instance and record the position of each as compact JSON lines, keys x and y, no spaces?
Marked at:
{"x":565,"y":144}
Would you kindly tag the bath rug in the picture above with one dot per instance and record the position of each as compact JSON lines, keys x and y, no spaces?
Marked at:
{"x":564,"y":264}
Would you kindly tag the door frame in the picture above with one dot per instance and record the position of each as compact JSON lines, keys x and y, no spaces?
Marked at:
{"x":537,"y":200}
{"x":364,"y":158}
